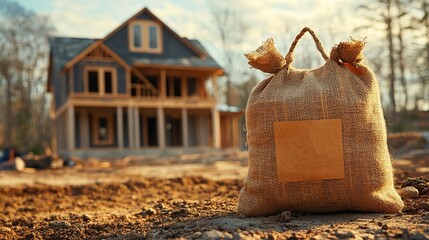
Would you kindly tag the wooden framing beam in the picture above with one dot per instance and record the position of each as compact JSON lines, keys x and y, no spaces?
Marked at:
{"x":163,"y":83}
{"x":184,"y":85}
{"x":211,"y":70}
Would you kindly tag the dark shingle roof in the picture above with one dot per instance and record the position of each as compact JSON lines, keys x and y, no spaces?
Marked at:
{"x":65,"y":49}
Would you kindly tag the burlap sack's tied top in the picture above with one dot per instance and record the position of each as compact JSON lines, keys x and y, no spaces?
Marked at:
{"x":317,"y":138}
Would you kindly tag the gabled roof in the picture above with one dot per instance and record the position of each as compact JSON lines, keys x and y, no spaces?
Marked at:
{"x":65,"y":49}
{"x":65,"y":52}
{"x":147,"y":11}
{"x":203,"y":59}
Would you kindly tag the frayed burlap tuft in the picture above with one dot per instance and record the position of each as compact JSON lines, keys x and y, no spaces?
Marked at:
{"x":266,"y":58}
{"x":331,"y":96}
{"x":349,"y":52}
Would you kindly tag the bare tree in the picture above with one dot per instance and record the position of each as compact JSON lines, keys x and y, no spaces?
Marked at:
{"x":379,"y":14}
{"x":5,"y":76}
{"x":424,"y":71}
{"x":230,"y":29}
{"x":23,"y":66}
{"x":402,"y":13}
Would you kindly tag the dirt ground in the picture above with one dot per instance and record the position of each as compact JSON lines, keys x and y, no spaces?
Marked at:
{"x":188,"y":197}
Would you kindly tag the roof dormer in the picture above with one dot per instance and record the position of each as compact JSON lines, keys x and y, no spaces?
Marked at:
{"x":145,"y":36}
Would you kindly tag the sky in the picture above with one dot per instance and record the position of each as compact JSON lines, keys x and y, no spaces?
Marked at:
{"x":334,"y":20}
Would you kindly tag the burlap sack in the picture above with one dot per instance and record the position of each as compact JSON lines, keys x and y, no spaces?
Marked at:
{"x":317,"y":138}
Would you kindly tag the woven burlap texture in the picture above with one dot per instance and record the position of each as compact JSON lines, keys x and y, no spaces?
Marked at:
{"x":329,"y":92}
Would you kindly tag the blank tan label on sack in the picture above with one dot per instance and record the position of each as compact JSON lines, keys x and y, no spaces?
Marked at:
{"x":309,"y":150}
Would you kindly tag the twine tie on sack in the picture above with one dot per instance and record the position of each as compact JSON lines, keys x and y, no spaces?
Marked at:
{"x":268,"y":59}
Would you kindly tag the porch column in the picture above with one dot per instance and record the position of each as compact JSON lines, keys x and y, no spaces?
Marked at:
{"x":185,"y":131}
{"x":160,"y":118}
{"x":163,"y":84}
{"x":84,"y":128}
{"x":130,"y":127}
{"x":120,"y":127}
{"x":136,"y":127}
{"x":70,"y":128}
{"x":216,"y":127}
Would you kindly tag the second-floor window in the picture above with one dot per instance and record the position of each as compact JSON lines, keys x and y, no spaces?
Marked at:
{"x":145,"y":36}
{"x":100,"y":80}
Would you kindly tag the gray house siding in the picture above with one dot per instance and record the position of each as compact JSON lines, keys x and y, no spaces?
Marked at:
{"x":122,"y":79}
{"x":78,"y":74}
{"x":78,"y":78}
{"x":172,"y":47}
{"x":60,"y":90}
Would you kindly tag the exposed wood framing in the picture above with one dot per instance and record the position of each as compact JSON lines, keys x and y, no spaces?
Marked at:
{"x":199,"y":103}
{"x":115,"y":56}
{"x":145,"y":81}
{"x":184,"y":85}
{"x":210,"y":70}
{"x":92,"y":47}
{"x":163,"y":83}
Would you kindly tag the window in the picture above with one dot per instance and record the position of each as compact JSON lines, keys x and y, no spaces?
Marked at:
{"x":108,"y":88}
{"x":100,"y":80}
{"x":102,"y":129}
{"x":192,"y":87}
{"x":145,"y":36}
{"x":137,"y":35}
{"x":174,"y":86}
{"x":153,"y":37}
{"x":93,"y":81}
{"x":177,"y":82}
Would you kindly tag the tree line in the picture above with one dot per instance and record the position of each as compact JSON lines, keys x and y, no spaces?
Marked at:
{"x":398,"y":52}
{"x":399,"y":56}
{"x":402,"y":61}
{"x":24,"y":52}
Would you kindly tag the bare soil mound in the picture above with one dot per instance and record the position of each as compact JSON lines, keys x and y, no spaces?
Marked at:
{"x":187,"y":207}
